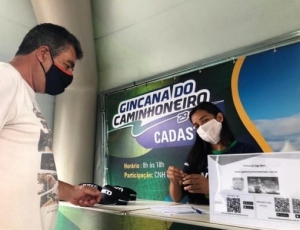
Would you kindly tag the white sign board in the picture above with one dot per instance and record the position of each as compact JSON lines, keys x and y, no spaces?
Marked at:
{"x":255,"y":190}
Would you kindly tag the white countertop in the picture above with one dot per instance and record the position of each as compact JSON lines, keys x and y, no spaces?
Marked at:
{"x":142,"y":208}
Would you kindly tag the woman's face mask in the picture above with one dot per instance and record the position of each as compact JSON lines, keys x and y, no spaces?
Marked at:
{"x":210,"y":131}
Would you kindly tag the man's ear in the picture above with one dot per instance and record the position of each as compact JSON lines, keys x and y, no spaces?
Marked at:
{"x":220,"y":117}
{"x":42,"y":53}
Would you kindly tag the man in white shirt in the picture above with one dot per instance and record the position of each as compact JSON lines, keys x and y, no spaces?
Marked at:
{"x":43,"y":63}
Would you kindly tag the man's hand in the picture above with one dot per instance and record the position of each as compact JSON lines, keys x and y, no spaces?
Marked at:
{"x":175,"y":174}
{"x":84,"y":196}
{"x":79,"y":195}
{"x":195,"y":183}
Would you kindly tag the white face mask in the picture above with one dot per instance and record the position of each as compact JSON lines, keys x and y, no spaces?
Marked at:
{"x":210,"y":131}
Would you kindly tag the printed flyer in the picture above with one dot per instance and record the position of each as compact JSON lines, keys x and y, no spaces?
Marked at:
{"x":255,"y":190}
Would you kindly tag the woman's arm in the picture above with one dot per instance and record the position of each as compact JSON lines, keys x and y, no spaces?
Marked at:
{"x":175,"y":176}
{"x":175,"y":191}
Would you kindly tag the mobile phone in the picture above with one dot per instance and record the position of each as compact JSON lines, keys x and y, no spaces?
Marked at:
{"x":186,"y":168}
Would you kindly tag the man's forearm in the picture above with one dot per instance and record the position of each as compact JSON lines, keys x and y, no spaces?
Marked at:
{"x":65,"y":190}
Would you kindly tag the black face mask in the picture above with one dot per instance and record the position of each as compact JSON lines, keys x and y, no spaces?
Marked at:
{"x":56,"y":80}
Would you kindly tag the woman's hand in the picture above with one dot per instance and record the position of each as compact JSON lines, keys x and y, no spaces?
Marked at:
{"x":195,"y":183}
{"x":175,"y":174}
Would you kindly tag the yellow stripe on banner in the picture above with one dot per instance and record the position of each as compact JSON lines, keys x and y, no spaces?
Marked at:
{"x":241,"y":111}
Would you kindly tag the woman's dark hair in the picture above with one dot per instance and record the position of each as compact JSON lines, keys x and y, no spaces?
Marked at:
{"x":57,"y":38}
{"x":198,"y":154}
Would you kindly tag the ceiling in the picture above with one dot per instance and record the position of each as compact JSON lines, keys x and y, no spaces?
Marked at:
{"x":138,"y":39}
{"x":141,"y":39}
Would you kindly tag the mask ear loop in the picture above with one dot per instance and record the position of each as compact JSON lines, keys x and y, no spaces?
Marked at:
{"x":51,"y":59}
{"x":42,"y":67}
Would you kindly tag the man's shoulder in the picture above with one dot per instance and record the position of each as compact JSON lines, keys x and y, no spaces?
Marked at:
{"x":4,"y":66}
{"x":10,"y":78}
{"x":9,"y":73}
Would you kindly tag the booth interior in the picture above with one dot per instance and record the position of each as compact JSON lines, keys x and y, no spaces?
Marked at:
{"x":125,"y":118}
{"x":145,"y":127}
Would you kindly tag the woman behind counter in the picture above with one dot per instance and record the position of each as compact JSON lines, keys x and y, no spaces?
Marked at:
{"x":214,"y":137}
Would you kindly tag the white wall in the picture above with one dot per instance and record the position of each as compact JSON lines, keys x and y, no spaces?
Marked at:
{"x":16,"y":18}
{"x":137,"y":39}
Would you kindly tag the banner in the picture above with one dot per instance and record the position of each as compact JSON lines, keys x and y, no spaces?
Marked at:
{"x":148,"y":126}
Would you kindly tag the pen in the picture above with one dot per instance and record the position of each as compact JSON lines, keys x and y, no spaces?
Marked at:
{"x":197,"y":210}
{"x":183,"y":212}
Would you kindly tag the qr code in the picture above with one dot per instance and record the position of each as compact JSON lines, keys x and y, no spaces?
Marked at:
{"x":296,"y":205}
{"x":282,"y":205}
{"x":233,"y":205}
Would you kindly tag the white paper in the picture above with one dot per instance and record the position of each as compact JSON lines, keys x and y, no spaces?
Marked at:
{"x":255,"y":190}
